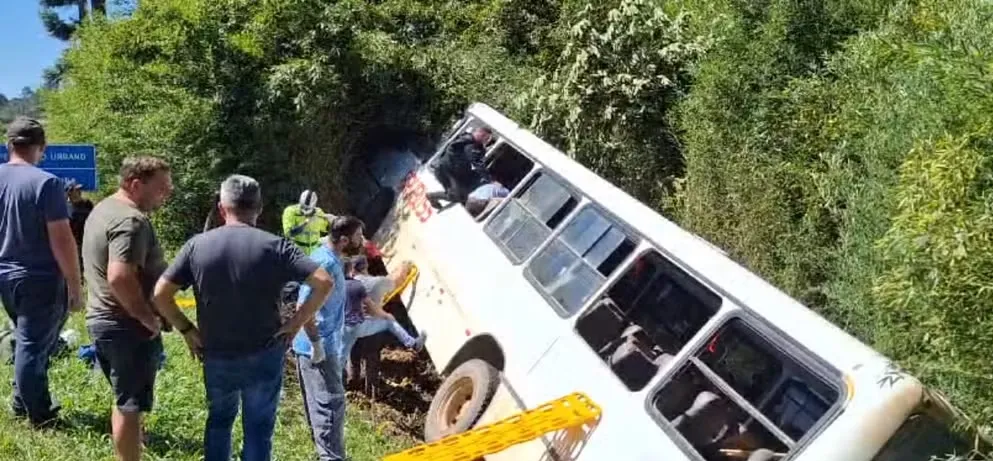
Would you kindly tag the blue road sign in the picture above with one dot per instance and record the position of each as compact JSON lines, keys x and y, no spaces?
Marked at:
{"x":76,"y":161}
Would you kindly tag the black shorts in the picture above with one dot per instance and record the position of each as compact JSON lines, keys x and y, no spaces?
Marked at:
{"x":130,"y":361}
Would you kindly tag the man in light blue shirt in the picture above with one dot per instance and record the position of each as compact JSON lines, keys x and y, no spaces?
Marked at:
{"x":317,"y":346}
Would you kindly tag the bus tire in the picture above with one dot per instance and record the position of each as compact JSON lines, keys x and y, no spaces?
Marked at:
{"x":461,"y":400}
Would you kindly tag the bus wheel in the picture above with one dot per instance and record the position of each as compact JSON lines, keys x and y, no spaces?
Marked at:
{"x":461,"y":399}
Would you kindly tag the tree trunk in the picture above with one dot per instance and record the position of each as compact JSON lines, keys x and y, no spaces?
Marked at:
{"x":81,"y":5}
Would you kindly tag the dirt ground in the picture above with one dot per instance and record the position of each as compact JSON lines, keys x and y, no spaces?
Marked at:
{"x":402,"y":392}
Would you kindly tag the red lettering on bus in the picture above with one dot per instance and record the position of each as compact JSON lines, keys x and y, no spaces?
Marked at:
{"x":415,"y":198}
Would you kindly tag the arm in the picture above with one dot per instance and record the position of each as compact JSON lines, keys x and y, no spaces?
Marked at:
{"x":320,"y":284}
{"x":164,"y":301}
{"x":127,"y":246}
{"x":401,"y":274}
{"x":310,"y":327}
{"x":375,"y":310}
{"x":294,"y":231}
{"x":317,"y":286}
{"x":52,"y":200}
{"x":288,"y":228}
{"x":177,"y":276}
{"x":66,"y":254}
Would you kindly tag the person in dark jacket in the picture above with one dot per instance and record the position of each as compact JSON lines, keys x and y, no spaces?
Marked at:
{"x":79,"y":210}
{"x":460,"y":169}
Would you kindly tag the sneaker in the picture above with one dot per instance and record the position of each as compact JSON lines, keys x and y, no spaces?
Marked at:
{"x":419,"y":341}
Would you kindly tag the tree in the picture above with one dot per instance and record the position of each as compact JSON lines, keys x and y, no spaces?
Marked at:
{"x":64,"y":29}
{"x":3,"y":100}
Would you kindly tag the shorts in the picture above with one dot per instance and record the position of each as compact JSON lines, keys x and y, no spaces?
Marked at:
{"x":130,"y":361}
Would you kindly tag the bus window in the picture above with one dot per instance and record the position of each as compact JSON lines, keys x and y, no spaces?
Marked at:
{"x":740,"y":394}
{"x":646,"y":318}
{"x":530,"y":216}
{"x":579,"y":260}
{"x":507,"y":167}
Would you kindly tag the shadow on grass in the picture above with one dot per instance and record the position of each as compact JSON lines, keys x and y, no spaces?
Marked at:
{"x":159,"y":444}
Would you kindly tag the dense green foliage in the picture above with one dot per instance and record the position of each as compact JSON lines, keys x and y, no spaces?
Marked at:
{"x":26,"y":103}
{"x":839,"y":148}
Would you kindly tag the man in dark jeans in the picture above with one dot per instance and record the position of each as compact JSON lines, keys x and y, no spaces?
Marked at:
{"x":237,"y":272}
{"x":122,"y":260}
{"x":39,"y":266}
{"x":460,"y":168}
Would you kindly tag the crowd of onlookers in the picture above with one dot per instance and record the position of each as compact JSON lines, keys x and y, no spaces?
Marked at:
{"x":52,"y":240}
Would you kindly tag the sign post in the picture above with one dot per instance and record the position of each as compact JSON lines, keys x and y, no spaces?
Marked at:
{"x":75,"y":161}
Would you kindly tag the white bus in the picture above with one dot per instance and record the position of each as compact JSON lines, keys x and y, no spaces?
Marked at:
{"x":570,"y":284}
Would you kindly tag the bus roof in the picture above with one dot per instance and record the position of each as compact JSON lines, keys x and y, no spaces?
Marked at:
{"x":695,"y":254}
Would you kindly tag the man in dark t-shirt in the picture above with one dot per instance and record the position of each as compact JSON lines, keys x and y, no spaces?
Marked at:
{"x":237,"y":272}
{"x":39,"y":268}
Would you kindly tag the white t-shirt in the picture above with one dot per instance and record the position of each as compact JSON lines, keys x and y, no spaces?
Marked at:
{"x":376,"y":286}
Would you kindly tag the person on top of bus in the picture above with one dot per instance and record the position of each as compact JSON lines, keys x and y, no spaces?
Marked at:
{"x":364,"y":314}
{"x":460,"y":168}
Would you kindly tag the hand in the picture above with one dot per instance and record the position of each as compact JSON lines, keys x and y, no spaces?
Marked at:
{"x":287,"y":332}
{"x":153,"y":324}
{"x":194,"y":343}
{"x":318,"y":354}
{"x":75,"y":297}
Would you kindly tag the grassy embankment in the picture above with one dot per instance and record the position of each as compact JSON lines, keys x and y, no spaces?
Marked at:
{"x":175,"y":426}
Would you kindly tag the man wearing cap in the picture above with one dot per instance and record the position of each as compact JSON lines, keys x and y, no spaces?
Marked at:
{"x":237,"y":272}
{"x":39,"y":269}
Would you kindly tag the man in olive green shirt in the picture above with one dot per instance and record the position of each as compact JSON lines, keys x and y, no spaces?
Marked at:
{"x":122,"y":261}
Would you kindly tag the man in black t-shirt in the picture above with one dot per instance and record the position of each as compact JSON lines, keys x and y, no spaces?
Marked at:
{"x":237,"y":272}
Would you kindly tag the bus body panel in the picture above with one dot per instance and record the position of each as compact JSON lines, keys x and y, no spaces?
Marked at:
{"x":467,"y":287}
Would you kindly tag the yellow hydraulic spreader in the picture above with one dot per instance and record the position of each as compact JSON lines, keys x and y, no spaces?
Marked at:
{"x":571,"y":411}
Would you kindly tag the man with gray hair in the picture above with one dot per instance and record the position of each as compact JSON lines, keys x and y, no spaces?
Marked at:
{"x":237,"y":272}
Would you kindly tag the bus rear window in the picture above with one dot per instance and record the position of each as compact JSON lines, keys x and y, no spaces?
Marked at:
{"x":740,"y":395}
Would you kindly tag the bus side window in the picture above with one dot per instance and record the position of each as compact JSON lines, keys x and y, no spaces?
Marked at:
{"x":530,"y":216}
{"x":579,"y":260}
{"x":646,"y":317}
{"x":507,"y":167}
{"x":740,"y":394}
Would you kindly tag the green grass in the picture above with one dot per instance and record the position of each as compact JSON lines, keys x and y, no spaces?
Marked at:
{"x":175,"y":425}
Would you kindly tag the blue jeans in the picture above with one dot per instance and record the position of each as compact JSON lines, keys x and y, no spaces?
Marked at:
{"x":38,"y":307}
{"x":324,"y":404}
{"x":255,"y":381}
{"x":369,"y":327}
